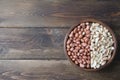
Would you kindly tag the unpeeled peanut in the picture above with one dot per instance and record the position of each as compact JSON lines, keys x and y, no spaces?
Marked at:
{"x":78,"y":43}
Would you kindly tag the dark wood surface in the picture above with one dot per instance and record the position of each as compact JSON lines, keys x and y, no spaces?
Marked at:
{"x":32,"y":35}
{"x":52,"y":70}
{"x":32,"y":43}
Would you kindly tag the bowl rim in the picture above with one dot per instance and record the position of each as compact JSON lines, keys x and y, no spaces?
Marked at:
{"x":104,"y":25}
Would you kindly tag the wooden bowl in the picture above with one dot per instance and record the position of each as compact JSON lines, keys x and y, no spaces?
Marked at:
{"x":113,"y":52}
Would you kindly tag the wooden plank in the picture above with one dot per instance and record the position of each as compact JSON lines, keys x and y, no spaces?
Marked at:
{"x":56,"y":13}
{"x":52,"y":70}
{"x":32,"y":43}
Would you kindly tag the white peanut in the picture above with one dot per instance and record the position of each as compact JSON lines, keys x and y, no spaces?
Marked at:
{"x":101,"y":45}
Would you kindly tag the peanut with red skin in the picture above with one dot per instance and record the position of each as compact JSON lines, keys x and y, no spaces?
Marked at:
{"x":78,"y":45}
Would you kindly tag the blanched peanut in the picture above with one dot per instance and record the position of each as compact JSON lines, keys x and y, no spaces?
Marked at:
{"x":99,"y":42}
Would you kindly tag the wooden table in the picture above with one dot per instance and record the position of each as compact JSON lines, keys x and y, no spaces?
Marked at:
{"x":32,"y":34}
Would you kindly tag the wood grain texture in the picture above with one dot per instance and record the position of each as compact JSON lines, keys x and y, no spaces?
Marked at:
{"x":36,"y":43}
{"x":32,"y":34}
{"x":52,"y":70}
{"x":32,"y":43}
{"x":56,"y":13}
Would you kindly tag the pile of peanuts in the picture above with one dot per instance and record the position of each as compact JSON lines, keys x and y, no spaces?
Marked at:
{"x":90,"y":45}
